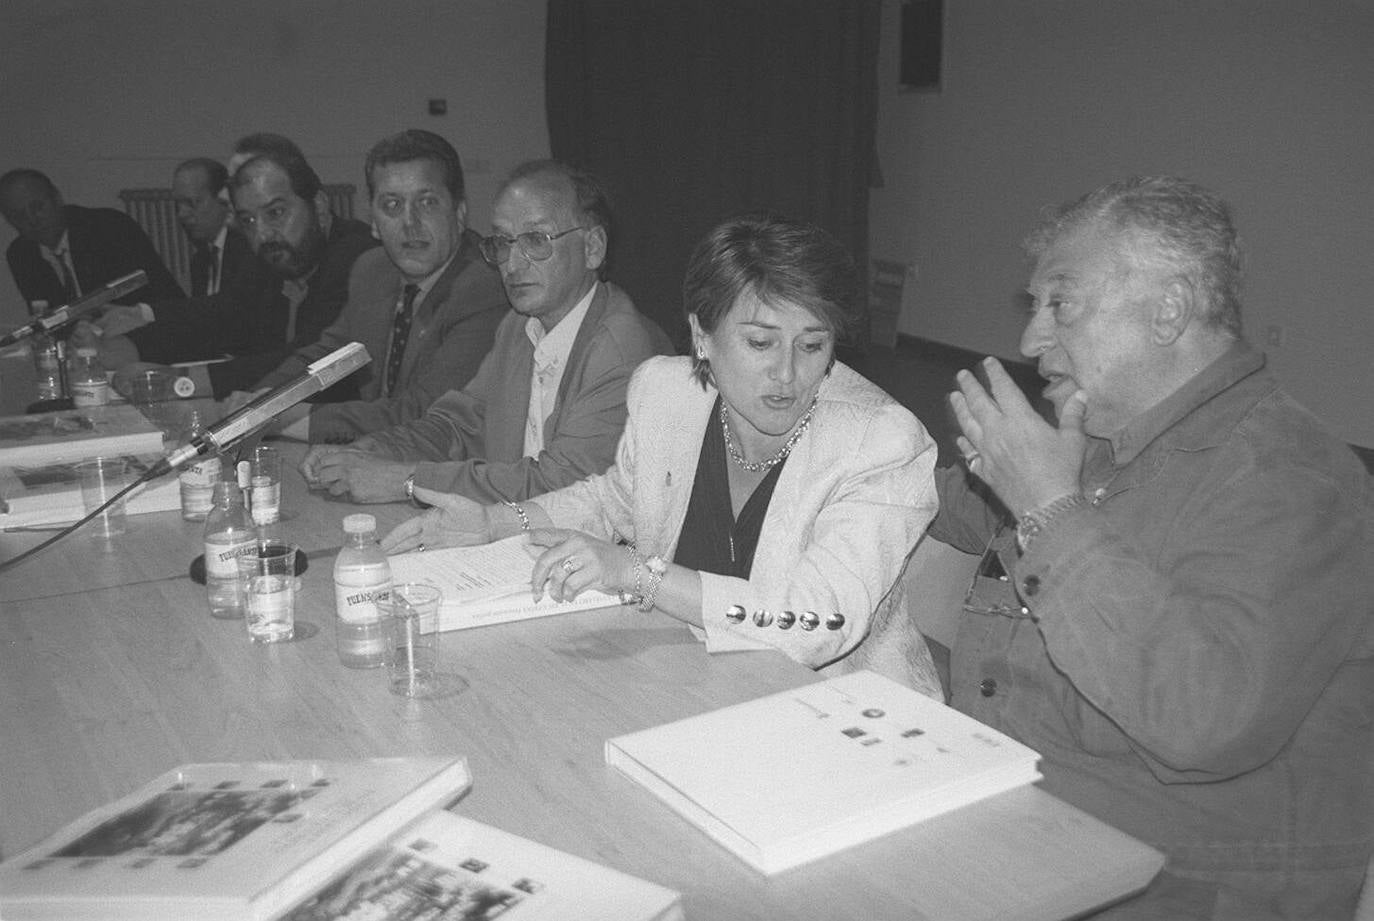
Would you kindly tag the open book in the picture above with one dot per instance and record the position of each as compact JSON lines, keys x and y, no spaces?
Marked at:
{"x":788,"y":778}
{"x":487,"y":584}
{"x":447,"y":866}
{"x":224,"y":842}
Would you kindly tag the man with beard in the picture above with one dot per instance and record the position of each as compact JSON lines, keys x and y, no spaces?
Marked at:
{"x":293,"y":290}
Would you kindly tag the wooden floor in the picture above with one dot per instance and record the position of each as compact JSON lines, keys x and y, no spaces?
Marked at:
{"x":920,"y":375}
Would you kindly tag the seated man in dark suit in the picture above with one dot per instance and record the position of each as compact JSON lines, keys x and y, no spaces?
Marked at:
{"x":425,"y":305}
{"x":547,"y":406}
{"x":65,"y":251}
{"x":218,"y":250}
{"x":285,"y":298}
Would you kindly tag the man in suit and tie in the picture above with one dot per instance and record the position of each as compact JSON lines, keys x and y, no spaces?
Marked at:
{"x":547,"y":406}
{"x":64,"y":251}
{"x":425,"y":304}
{"x":218,"y":250}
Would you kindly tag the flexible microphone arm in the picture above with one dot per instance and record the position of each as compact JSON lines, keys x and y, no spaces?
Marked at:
{"x":321,"y":375}
{"x":65,"y":314}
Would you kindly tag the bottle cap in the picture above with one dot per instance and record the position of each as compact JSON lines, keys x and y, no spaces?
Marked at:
{"x":359,"y":524}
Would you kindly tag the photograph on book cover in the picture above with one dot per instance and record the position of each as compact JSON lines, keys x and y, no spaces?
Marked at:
{"x":19,"y":429}
{"x":189,"y":825}
{"x":398,"y":882}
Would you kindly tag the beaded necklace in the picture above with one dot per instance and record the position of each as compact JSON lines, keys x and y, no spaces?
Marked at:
{"x":781,"y":455}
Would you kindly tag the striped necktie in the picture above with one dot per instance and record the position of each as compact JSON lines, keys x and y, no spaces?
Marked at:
{"x":400,"y":332}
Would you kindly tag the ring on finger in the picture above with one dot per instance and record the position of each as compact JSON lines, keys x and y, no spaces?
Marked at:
{"x":421,"y":548}
{"x":571,"y":565}
{"x":972,"y":457}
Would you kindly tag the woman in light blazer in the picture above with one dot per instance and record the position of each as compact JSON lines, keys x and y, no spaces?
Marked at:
{"x":762,"y":493}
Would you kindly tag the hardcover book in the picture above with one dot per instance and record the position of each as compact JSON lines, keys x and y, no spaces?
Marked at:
{"x":76,"y":434}
{"x":882,"y":756}
{"x":224,"y":842}
{"x":450,"y":867}
{"x":487,"y":584}
{"x":51,"y":494}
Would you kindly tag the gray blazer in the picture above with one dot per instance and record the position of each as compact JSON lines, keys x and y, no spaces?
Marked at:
{"x":472,"y":441}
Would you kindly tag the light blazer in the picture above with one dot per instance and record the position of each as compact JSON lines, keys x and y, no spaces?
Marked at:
{"x":450,"y":334}
{"x":472,"y":441}
{"x":855,"y":495}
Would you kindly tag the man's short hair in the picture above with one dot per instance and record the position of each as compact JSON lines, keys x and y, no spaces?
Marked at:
{"x":1190,"y":226}
{"x":25,"y":173}
{"x":416,"y":144}
{"x":216,"y":174}
{"x":304,"y":181}
{"x":262,"y":142}
{"x":591,"y":201}
{"x":777,"y":260}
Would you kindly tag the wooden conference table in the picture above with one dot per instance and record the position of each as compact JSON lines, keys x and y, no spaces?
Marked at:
{"x":112,"y":671}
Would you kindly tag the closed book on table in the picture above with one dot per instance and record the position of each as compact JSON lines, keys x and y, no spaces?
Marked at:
{"x":50,"y":494}
{"x":448,"y":866}
{"x":487,"y":584}
{"x":788,"y":778}
{"x":76,"y":434}
{"x":224,"y":842}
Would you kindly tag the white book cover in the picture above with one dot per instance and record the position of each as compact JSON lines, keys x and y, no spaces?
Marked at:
{"x":791,"y":777}
{"x":224,"y":842}
{"x":451,"y":867}
{"x":487,"y":584}
{"x":51,"y":494}
{"x":76,"y":434}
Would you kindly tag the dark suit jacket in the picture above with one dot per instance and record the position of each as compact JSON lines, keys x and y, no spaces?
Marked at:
{"x":105,"y":244}
{"x":450,"y":334}
{"x":237,"y":254}
{"x":248,"y":319}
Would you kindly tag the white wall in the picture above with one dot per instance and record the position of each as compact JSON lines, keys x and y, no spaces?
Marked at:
{"x":1268,"y":102}
{"x":111,"y":95}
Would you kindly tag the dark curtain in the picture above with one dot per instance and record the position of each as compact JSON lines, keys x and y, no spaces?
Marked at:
{"x":693,"y":111}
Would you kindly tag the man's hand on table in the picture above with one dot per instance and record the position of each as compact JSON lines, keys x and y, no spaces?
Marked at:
{"x":362,"y":477}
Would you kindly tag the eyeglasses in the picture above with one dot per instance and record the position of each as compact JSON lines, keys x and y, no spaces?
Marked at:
{"x":536,"y":245}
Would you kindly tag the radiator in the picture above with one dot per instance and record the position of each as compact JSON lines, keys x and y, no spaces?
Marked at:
{"x":156,"y":213}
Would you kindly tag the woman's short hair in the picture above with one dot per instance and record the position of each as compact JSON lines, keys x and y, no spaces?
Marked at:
{"x":776,"y":259}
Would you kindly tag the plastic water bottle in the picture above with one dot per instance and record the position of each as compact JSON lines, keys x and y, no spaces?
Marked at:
{"x":198,"y":479}
{"x":362,"y":577}
{"x":228,"y":533}
{"x":89,"y":385}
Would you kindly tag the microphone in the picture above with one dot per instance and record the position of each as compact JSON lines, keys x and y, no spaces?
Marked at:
{"x":77,"y":308}
{"x":324,"y":373}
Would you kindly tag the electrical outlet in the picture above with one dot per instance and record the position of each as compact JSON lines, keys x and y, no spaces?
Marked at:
{"x":1273,"y":336}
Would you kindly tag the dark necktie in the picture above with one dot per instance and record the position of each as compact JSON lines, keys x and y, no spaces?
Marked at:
{"x":400,"y":332}
{"x":69,"y":282}
{"x":202,"y":270}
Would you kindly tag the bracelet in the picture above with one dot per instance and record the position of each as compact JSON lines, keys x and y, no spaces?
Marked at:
{"x":635,"y":597}
{"x":657,"y":567}
{"x":1034,"y":522}
{"x":524,"y":519}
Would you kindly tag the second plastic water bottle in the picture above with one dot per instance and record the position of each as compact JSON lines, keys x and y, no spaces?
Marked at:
{"x":362,"y":577}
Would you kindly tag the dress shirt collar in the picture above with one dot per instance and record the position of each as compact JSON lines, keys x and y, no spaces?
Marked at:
{"x":552,"y":347}
{"x":427,"y":284}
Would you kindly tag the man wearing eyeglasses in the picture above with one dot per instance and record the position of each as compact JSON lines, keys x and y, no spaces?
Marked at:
{"x":547,"y":406}
{"x":425,"y":305}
